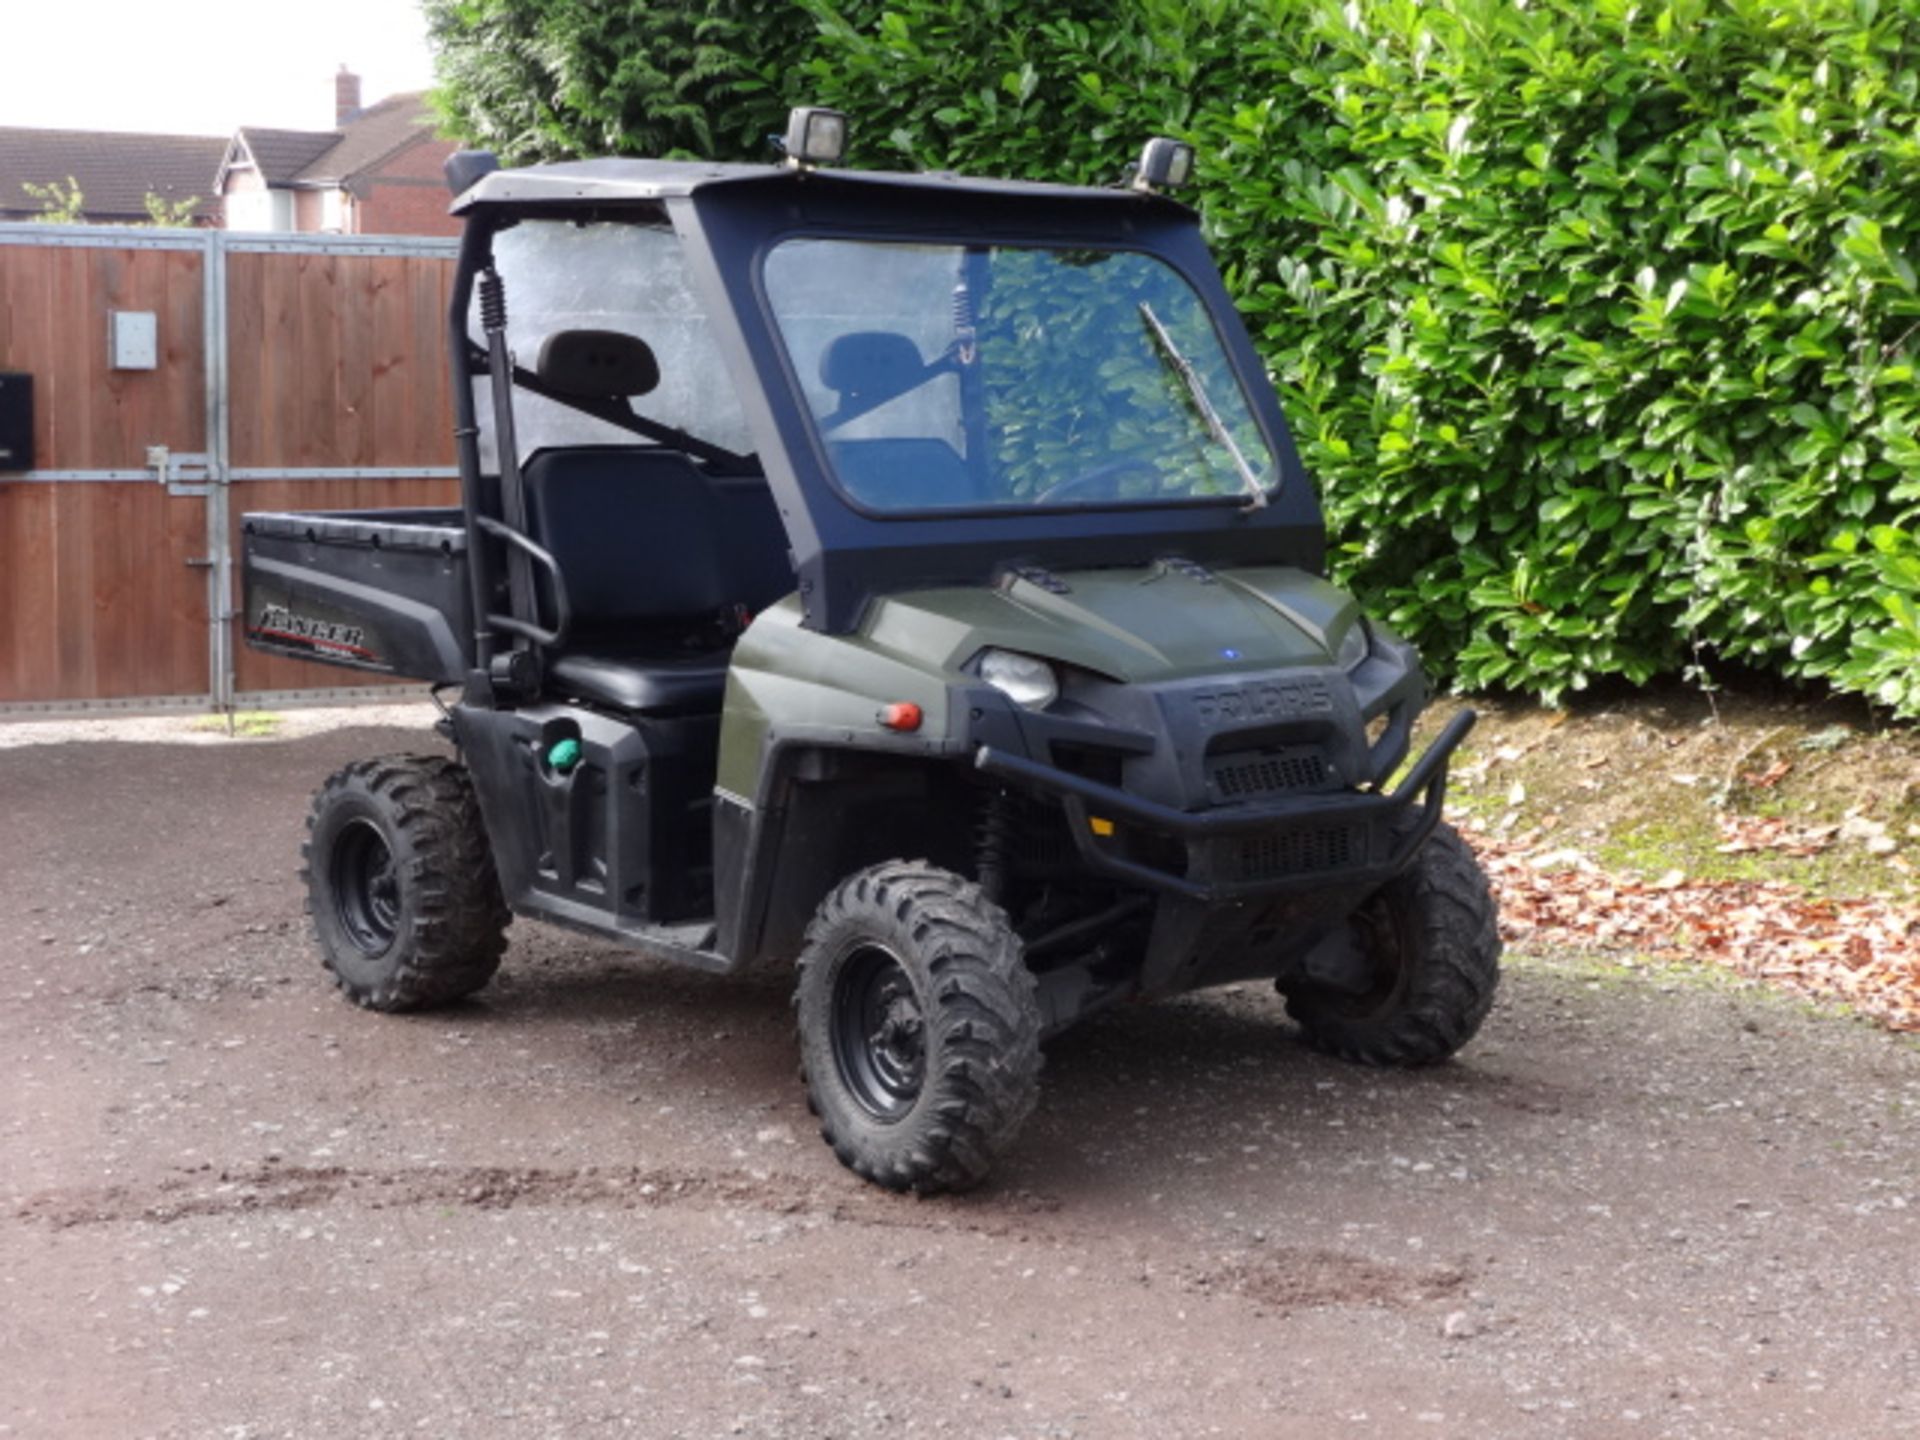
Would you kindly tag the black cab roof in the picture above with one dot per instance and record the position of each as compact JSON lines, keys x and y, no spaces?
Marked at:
{"x":571,"y":183}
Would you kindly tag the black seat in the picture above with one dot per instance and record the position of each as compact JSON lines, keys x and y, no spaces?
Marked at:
{"x":866,"y":369}
{"x":904,"y":473}
{"x":658,"y":560}
{"x":648,"y":685}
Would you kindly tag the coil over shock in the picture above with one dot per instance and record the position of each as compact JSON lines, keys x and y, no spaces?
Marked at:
{"x":493,"y":302}
{"x":993,"y":837}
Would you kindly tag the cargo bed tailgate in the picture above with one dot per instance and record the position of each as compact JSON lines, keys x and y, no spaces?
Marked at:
{"x":379,"y":590}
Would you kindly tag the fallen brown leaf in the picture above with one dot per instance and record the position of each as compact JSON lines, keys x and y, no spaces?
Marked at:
{"x":1863,"y":951}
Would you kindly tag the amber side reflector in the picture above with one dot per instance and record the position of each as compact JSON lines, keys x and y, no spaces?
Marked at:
{"x":1098,"y":826}
{"x":901,"y":715}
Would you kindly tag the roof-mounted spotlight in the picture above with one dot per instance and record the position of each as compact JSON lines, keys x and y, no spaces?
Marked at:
{"x":1164,"y":165}
{"x":465,"y":169}
{"x":815,"y":136}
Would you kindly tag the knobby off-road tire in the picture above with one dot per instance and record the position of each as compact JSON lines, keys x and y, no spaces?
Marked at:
{"x":1435,"y":941}
{"x":401,"y":888}
{"x":919,"y":1027}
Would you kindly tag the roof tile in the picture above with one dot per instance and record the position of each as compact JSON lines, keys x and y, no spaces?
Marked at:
{"x":371,"y":136}
{"x":336,"y":157}
{"x":115,"y":170}
{"x":283,"y":154}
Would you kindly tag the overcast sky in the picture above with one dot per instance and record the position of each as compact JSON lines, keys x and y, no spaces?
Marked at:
{"x":201,"y":67}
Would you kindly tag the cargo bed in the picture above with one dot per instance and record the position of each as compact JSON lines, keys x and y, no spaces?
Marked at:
{"x":378,"y":590}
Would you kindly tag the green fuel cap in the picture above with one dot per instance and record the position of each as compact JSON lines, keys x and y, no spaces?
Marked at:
{"x":564,"y":755}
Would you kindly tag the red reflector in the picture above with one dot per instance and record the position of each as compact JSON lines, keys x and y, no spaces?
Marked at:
{"x":901,"y":715}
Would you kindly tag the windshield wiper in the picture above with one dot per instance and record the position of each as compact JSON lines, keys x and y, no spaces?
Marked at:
{"x":1190,"y":377}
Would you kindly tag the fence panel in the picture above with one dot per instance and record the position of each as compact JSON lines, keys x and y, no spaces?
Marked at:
{"x":338,"y":365}
{"x":103,"y":569}
{"x":292,"y":372}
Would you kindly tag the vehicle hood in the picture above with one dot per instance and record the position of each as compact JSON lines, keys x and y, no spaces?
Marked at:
{"x":1159,"y":622}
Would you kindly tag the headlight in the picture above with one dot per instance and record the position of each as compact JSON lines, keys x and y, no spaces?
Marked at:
{"x":1354,"y":645}
{"x":1023,"y":679}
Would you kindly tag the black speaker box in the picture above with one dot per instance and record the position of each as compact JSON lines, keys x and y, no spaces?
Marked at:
{"x":16,"y":421}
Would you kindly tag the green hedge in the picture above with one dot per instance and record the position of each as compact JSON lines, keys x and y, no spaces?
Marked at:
{"x":1596,"y":322}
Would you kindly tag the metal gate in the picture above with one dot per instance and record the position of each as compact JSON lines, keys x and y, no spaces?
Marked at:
{"x":285,"y":372}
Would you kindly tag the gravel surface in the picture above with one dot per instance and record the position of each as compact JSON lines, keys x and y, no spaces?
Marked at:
{"x":196,"y":728}
{"x":592,"y":1201}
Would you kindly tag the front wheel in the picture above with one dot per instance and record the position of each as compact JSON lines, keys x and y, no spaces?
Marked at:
{"x":1432,"y":938}
{"x":919,"y":1027}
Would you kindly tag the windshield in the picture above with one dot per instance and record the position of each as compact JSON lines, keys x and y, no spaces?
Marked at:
{"x":945,"y":376}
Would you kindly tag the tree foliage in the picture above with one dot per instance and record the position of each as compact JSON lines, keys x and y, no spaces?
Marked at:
{"x":1596,"y":319}
{"x":59,"y":204}
{"x":169,"y":214}
{"x":550,"y":79}
{"x":66,"y":204}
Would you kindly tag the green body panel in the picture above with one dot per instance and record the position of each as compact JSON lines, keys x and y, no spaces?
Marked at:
{"x":788,"y":680}
{"x":1134,"y":625}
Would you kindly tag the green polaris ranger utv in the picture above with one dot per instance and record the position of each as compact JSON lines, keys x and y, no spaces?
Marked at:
{"x":908,"y":579}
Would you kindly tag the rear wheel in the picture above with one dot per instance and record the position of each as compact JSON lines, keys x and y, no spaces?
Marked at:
{"x":401,"y":888}
{"x":919,"y":1027}
{"x":1433,"y":941}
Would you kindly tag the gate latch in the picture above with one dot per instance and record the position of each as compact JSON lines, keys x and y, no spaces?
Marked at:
{"x":182,"y":474}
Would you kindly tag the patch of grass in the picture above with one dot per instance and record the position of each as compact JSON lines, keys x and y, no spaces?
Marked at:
{"x":1615,"y":972}
{"x":1642,"y":785}
{"x":243,"y":724}
{"x":1690,"y":842}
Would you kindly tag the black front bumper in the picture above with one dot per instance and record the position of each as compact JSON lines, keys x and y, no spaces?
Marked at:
{"x":1355,"y":838}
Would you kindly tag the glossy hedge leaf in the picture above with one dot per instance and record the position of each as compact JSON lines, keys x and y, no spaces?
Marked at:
{"x":1562,"y":299}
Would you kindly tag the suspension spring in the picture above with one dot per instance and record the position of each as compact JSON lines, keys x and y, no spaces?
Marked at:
{"x":993,"y":838}
{"x":493,"y":302}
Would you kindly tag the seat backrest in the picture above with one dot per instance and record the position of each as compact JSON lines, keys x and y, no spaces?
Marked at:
{"x":759,"y":564}
{"x":644,"y":538}
{"x":869,"y":367}
{"x":908,"y":473}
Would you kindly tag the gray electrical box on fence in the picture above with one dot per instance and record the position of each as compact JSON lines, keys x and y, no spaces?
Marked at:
{"x":16,"y":421}
{"x":133,"y":339}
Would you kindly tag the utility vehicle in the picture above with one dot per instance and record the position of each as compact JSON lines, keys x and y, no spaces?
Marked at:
{"x":902,"y":578}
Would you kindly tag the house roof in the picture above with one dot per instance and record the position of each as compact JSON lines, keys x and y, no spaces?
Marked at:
{"x":115,"y":170}
{"x":373,"y":135}
{"x":303,"y":158}
{"x":283,"y":154}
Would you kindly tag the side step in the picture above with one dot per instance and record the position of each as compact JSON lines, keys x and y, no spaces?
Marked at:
{"x":691,"y":944}
{"x":685,"y":944}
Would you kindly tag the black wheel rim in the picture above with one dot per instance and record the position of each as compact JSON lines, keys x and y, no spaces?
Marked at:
{"x":366,"y":888}
{"x":1378,"y":930}
{"x":879,"y":1033}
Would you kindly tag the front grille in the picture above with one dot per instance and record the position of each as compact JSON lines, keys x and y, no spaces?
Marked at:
{"x":1248,"y":774}
{"x":1298,"y":852}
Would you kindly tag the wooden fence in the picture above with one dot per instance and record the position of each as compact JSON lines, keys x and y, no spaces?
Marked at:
{"x":291,"y":372}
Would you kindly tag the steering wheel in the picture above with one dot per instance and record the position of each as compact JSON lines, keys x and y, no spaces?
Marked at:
{"x":1101,"y":479}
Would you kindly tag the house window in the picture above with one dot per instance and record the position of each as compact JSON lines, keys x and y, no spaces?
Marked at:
{"x":260,"y":210}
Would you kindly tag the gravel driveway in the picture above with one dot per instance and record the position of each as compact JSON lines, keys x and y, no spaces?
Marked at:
{"x":592,"y":1202}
